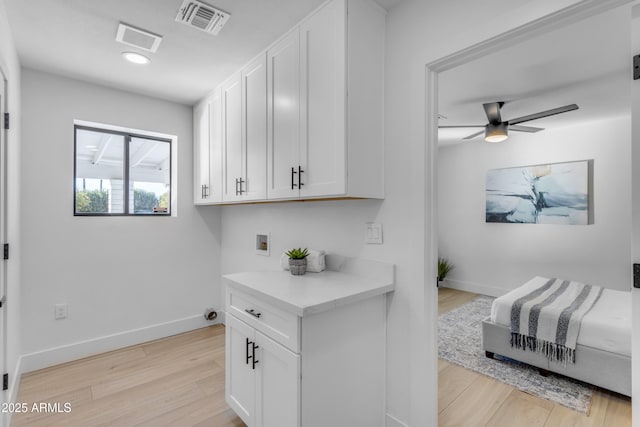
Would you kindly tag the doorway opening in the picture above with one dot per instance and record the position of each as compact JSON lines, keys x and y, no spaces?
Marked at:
{"x":436,"y":75}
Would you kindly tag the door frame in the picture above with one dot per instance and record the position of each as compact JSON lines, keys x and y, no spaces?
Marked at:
{"x":424,"y":108}
{"x":4,"y":105}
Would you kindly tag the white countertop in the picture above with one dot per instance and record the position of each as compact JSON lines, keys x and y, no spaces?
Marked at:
{"x":316,"y":292}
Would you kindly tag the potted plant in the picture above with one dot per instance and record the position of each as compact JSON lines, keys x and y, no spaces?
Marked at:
{"x":297,"y":261}
{"x":444,"y":267}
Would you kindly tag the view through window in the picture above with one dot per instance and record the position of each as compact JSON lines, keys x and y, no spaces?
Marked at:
{"x":119,"y":173}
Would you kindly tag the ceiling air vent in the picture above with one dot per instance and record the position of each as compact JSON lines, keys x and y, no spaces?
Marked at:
{"x":139,"y":38}
{"x":202,"y":16}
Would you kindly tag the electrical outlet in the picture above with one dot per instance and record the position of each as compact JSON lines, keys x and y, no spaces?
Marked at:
{"x":61,"y":311}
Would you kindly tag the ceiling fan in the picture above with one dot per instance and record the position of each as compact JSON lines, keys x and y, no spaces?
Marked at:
{"x":497,"y":130}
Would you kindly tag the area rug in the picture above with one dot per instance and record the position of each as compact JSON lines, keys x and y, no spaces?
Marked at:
{"x":460,"y":342}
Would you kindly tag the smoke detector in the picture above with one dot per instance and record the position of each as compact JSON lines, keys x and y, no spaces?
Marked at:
{"x":202,"y":16}
{"x":142,"y":39}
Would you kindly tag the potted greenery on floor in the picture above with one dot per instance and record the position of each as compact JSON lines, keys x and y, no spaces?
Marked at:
{"x":444,"y":267}
{"x":298,"y":261}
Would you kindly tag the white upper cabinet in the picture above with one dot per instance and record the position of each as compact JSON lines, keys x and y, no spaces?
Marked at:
{"x":323,"y":102}
{"x":207,"y":150}
{"x":202,"y":185}
{"x":254,"y":129}
{"x":244,"y":137}
{"x":283,"y":90}
{"x":339,"y":150}
{"x":232,"y":178}
{"x":215,"y":148}
{"x":321,"y":92}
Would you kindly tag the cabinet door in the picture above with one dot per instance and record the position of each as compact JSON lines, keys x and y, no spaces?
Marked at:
{"x":277,"y":385}
{"x":215,"y":148}
{"x":254,"y":129}
{"x":240,"y":387}
{"x":283,"y":88}
{"x":323,"y":101}
{"x":201,"y":184}
{"x":232,"y":139}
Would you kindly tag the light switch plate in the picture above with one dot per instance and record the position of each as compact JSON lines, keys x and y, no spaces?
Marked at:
{"x":373,"y":235}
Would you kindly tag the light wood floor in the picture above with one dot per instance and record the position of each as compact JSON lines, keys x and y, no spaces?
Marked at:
{"x":179,"y":381}
{"x":468,"y":399}
{"x":176,"y":381}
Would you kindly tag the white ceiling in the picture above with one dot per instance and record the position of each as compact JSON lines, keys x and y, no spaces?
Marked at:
{"x":75,"y":38}
{"x":587,"y":63}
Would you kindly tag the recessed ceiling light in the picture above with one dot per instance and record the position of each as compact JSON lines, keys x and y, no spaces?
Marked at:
{"x":136,"y":58}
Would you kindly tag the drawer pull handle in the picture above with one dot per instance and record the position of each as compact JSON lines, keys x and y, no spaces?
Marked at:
{"x":253,"y":313}
{"x":246,"y":348}
{"x":254,"y":361}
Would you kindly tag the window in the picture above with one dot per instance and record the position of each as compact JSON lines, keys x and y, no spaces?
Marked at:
{"x":121,"y":173}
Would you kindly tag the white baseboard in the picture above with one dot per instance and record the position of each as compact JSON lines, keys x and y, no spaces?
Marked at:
{"x":476,"y":288}
{"x":394,"y":422}
{"x":66,"y":353}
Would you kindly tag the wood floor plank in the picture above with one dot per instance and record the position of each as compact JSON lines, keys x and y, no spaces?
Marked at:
{"x":212,"y":383}
{"x":476,"y":405}
{"x":618,"y":411}
{"x":442,"y":364}
{"x":189,"y":415}
{"x":65,"y":378}
{"x":562,"y":416}
{"x":452,"y":298}
{"x":227,"y":418}
{"x":522,"y":410}
{"x":156,"y":370}
{"x":452,"y":383}
{"x":74,"y":398}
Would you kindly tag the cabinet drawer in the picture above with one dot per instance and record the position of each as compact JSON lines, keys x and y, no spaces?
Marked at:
{"x":279,"y":325}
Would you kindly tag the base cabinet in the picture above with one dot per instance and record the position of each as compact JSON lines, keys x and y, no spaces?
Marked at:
{"x":263,"y":378}
{"x":324,"y":369}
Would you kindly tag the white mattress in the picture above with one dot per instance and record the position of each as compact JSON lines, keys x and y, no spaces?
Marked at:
{"x":607,"y":326}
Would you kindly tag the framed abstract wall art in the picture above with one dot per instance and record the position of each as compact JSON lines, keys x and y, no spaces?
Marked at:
{"x":556,"y":193}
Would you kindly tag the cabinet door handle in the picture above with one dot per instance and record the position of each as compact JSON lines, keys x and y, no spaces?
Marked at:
{"x":206,"y":191}
{"x":246,"y":348}
{"x":253,"y":312}
{"x":236,"y":186}
{"x":241,"y":181}
{"x":300,"y":171}
{"x":254,"y":361}
{"x":293,"y":184}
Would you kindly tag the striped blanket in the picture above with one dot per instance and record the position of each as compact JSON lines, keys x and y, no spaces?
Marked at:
{"x":547,"y":320}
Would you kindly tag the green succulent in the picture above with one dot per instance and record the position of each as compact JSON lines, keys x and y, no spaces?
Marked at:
{"x":297,"y":253}
{"x":444,"y":267}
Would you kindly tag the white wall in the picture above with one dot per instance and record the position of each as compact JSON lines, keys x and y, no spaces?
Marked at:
{"x":500,"y":257}
{"x":11,"y":67}
{"x":117,"y":274}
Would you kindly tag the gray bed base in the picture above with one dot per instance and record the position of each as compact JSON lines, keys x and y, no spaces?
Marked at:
{"x":607,"y":370}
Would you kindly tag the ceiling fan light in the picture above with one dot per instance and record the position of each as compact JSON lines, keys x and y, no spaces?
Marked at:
{"x":496,"y":133}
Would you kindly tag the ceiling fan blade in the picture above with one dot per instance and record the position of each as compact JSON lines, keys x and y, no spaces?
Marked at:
{"x":492,"y":110}
{"x":521,"y":128}
{"x":473,"y":135}
{"x":542,"y":114}
{"x":460,"y":126}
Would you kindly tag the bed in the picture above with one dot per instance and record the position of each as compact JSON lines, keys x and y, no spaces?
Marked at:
{"x":603,"y":347}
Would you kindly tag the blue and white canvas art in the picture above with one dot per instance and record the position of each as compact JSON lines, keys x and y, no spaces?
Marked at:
{"x":555,"y":193}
